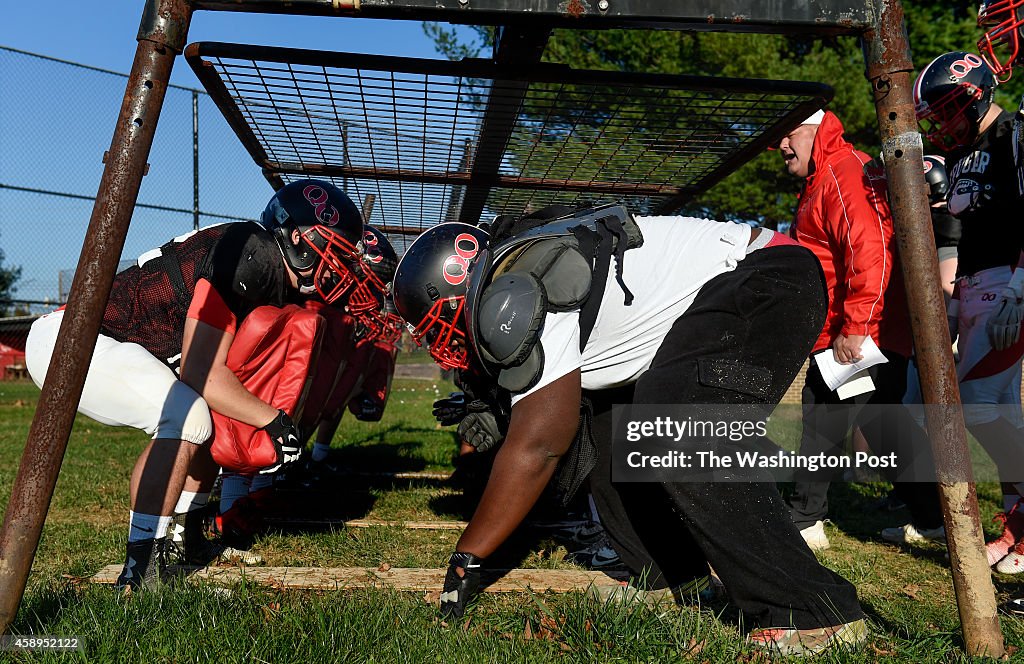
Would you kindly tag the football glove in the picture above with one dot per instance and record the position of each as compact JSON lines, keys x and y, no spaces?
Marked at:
{"x":480,"y":428}
{"x":366,"y":409}
{"x":459,"y":589}
{"x":286,"y":439}
{"x":451,"y":410}
{"x":1003,"y":325}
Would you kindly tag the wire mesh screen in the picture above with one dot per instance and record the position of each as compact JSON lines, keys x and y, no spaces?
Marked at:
{"x":52,"y":141}
{"x":435,"y":140}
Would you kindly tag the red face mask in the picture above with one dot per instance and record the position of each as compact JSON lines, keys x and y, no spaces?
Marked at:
{"x":1000,"y":45}
{"x":440,"y":327}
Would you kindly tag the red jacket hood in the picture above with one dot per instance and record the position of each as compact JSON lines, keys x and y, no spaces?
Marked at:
{"x":829,"y":145}
{"x":843,"y":217}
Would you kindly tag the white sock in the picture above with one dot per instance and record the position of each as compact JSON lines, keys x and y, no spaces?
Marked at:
{"x":146,"y":526}
{"x":233,"y":487}
{"x":261,"y":482}
{"x":320,"y":451}
{"x":190,"y":501}
{"x":1009,"y":500}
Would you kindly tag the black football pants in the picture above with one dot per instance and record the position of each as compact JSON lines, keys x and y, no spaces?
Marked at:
{"x":763,"y":317}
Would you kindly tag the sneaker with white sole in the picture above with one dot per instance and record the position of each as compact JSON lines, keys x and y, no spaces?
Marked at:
{"x":910,"y":534}
{"x":1013,"y":531}
{"x":696,"y":592}
{"x":802,"y":642}
{"x":1013,"y":563}
{"x":815,"y":536}
{"x":188,"y":546}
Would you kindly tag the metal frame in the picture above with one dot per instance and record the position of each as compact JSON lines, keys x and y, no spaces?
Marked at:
{"x":286,"y":106}
{"x":820,"y":17}
{"x":161,"y":37}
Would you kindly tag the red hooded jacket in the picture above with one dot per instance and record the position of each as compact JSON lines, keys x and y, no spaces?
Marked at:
{"x":843,"y":216}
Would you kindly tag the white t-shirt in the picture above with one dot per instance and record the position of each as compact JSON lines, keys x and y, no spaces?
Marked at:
{"x":679,"y":255}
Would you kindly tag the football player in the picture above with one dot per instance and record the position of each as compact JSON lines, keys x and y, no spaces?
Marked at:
{"x":953,"y":96}
{"x":354,"y":367}
{"x":161,"y":358}
{"x":679,"y":318}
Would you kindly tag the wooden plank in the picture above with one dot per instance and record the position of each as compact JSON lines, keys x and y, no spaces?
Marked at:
{"x":396,"y":578}
{"x":366,"y":523}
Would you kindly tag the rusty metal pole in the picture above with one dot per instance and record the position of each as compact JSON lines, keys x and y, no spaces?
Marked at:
{"x":162,"y":35}
{"x":889,"y":68}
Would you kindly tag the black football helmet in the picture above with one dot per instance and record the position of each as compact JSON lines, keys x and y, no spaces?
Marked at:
{"x":1003,"y":21}
{"x":430,"y":289}
{"x":330,"y":231}
{"x":935,"y":176}
{"x":951,"y":96}
{"x":374,"y":281}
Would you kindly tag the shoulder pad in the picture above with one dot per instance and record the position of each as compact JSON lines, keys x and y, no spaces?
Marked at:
{"x":511,"y":313}
{"x":560,"y":266}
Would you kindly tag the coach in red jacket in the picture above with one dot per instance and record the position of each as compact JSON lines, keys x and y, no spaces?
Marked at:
{"x":843,"y":217}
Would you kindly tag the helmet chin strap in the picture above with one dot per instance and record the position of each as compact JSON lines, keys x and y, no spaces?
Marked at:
{"x":306,"y":284}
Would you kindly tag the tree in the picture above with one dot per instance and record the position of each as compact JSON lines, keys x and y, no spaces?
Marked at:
{"x":761,"y":189}
{"x":8,"y":277}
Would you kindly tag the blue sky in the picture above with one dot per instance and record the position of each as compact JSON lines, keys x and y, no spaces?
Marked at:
{"x":102,"y":33}
{"x":53,"y":132}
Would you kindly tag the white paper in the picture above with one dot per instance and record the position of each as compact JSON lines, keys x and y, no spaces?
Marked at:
{"x":859,"y":383}
{"x":836,"y":374}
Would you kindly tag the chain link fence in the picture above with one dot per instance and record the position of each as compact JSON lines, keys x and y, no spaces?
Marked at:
{"x":56,"y":122}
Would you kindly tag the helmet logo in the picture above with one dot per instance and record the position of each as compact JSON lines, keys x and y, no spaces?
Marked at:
{"x":960,"y":68}
{"x":317,"y":197}
{"x":456,"y":266}
{"x":371,"y":251}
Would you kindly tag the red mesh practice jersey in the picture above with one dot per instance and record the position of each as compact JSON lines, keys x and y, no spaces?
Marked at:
{"x":149,"y":302}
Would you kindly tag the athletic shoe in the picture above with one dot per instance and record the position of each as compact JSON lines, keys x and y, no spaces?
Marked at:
{"x":586,"y":533}
{"x":186,"y":545}
{"x":600,"y":555}
{"x":909,"y":534}
{"x":144,"y":567}
{"x":801,"y":642}
{"x":888,"y":503}
{"x":1014,"y":607}
{"x":815,"y":536}
{"x":696,"y":592}
{"x":1013,"y":531}
{"x":1013,"y":563}
{"x":237,"y":529}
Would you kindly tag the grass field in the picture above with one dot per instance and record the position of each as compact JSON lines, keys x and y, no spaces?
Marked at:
{"x":907,"y":593}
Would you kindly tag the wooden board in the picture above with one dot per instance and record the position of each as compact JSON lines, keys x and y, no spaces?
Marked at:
{"x":367,"y":523}
{"x":398,"y":578}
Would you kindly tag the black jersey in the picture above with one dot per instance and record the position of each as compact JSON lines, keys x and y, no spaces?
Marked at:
{"x":984,"y":195}
{"x":150,"y":300}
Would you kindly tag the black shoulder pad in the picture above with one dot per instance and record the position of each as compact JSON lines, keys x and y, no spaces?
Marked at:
{"x":511,"y":312}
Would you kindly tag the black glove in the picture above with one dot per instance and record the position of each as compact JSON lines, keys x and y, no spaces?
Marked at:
{"x":366,"y":409}
{"x":286,"y":439}
{"x":451,"y":410}
{"x":458,"y":590}
{"x":480,"y":428}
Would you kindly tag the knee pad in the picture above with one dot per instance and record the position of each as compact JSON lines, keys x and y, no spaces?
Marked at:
{"x":184,"y":416}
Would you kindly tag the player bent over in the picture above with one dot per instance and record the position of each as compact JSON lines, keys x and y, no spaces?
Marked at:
{"x":353,"y":366}
{"x":160,"y":359}
{"x":680,"y":318}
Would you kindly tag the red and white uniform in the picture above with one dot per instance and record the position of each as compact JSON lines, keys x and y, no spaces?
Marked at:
{"x":216,"y":275}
